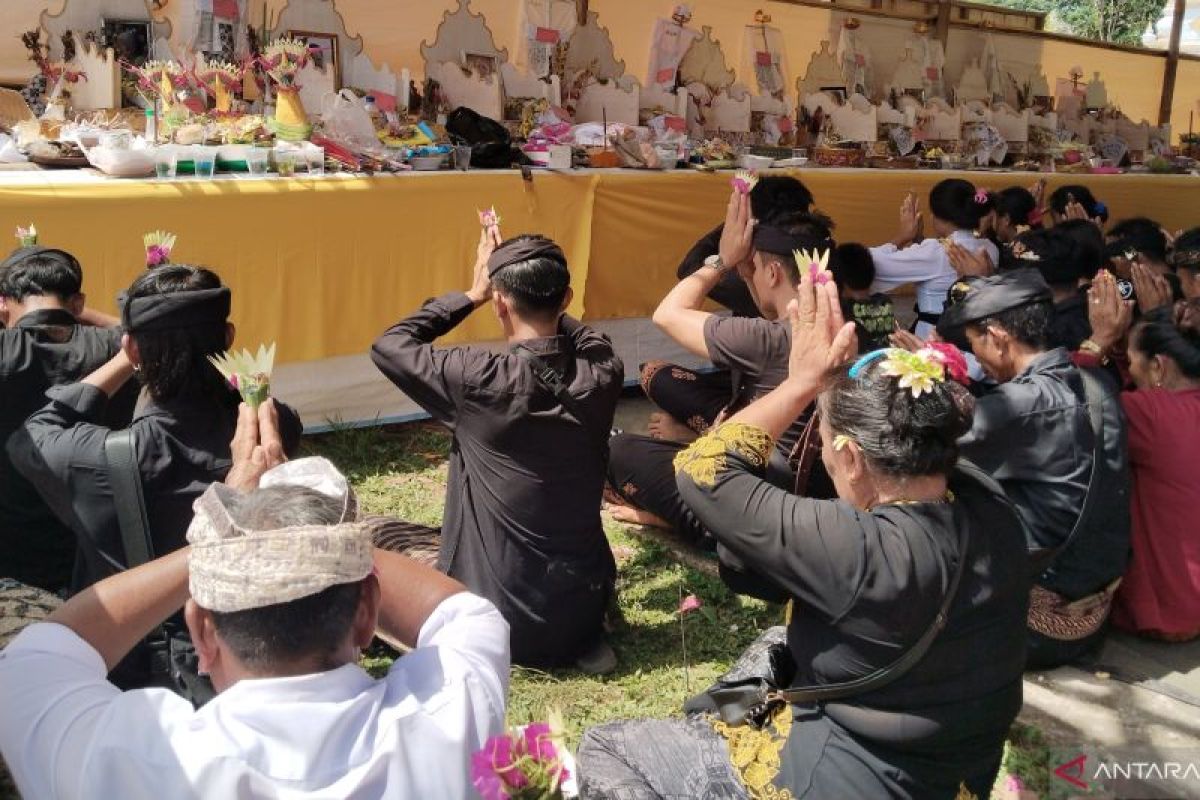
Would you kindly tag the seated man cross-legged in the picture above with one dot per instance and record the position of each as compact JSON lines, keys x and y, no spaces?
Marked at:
{"x":282,"y":589}
{"x":754,"y":349}
{"x":522,"y":521}
{"x":48,"y":338}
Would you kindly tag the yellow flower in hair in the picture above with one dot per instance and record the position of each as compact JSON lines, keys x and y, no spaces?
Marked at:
{"x":915,"y":371}
{"x":840,"y":441}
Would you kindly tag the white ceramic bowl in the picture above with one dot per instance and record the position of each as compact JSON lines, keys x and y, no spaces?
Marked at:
{"x":138,"y":163}
{"x":426,"y":163}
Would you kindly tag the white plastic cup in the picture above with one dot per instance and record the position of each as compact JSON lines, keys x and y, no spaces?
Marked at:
{"x":285,"y":162}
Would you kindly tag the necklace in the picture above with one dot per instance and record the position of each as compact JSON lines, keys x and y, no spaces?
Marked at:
{"x":948,"y":497}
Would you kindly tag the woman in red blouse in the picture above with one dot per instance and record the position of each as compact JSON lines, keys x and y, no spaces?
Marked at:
{"x":1160,"y":595}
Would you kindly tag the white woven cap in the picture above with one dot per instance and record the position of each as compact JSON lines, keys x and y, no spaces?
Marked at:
{"x":233,"y":569}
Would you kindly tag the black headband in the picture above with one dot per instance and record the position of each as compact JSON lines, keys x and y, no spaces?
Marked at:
{"x":162,"y":312}
{"x":769,"y":239}
{"x":524,"y":250}
{"x":22,"y":253}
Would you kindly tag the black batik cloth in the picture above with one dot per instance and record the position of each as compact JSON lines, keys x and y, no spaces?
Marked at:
{"x":43,"y":349}
{"x":522,"y":521}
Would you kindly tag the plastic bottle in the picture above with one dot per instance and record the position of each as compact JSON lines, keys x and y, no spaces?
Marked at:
{"x":373,"y":110}
{"x":151,"y":126}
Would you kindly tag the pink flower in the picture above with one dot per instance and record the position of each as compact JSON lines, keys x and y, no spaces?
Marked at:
{"x":951,"y":359}
{"x":537,"y":742}
{"x":493,"y":769}
{"x":981,"y":196}
{"x":689,"y":604}
{"x":819,"y":275}
{"x":156,"y":255}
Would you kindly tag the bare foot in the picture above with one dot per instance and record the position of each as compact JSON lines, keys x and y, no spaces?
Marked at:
{"x":664,"y":426}
{"x":636,"y":516}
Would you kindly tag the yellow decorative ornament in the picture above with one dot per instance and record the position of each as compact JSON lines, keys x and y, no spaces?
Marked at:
{"x":755,"y":752}
{"x":282,"y":60}
{"x":707,"y":456}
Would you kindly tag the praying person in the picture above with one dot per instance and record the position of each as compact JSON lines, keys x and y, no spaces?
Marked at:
{"x":754,"y":349}
{"x":1185,"y":262}
{"x":1054,"y":438}
{"x":1057,"y":256}
{"x":1014,"y":211}
{"x":914,"y":541}
{"x":772,"y":196}
{"x":174,"y":317}
{"x":1160,"y":594}
{"x":281,"y":589}
{"x":49,"y":338}
{"x":522,"y":519}
{"x":872,"y":312}
{"x":1076,"y":201}
{"x":957,"y":208}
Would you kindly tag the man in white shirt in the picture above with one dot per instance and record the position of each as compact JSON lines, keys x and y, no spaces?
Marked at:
{"x":282,"y":589}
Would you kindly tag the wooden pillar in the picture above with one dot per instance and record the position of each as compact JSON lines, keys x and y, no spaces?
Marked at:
{"x":942,"y":30}
{"x":1168,"y":88}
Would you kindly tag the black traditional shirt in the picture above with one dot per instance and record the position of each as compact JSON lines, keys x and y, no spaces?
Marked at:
{"x":522,"y":521}
{"x":1033,"y":434}
{"x":43,"y":349}
{"x":181,"y":445}
{"x":865,"y":586}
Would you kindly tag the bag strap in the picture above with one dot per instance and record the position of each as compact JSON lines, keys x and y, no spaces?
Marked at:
{"x":1093,"y":395}
{"x":898,"y":668}
{"x":126,"y":483}
{"x":550,"y":378}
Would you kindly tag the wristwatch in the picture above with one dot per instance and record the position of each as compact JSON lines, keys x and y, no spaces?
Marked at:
{"x":1089,"y":346}
{"x":716,"y":263}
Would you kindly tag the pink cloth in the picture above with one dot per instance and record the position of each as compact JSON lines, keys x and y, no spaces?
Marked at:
{"x":1161,"y":590}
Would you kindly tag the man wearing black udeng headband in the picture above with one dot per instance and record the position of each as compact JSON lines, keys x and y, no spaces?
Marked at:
{"x":522,"y":521}
{"x":174,"y":317}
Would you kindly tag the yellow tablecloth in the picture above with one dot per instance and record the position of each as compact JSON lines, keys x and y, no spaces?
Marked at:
{"x":323,"y":266}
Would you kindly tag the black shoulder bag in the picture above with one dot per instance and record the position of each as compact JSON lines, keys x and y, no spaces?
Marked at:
{"x":752,"y":700}
{"x":1040,"y":560}
{"x":173,"y":661}
{"x":549,"y":377}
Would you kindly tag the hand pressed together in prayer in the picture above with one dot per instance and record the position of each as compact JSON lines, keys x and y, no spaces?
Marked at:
{"x":481,"y":286}
{"x":821,"y":338}
{"x":1152,"y":289}
{"x":1038,"y":190}
{"x":967,"y":262}
{"x":737,"y":237}
{"x":1075,"y":210}
{"x":1109,"y":315}
{"x":256,"y":446}
{"x":906,"y":340}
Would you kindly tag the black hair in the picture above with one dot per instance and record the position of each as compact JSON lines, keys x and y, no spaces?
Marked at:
{"x":1059,"y":258}
{"x":1089,"y":245}
{"x":175,"y":362}
{"x":852,"y":266}
{"x":779,"y":194}
{"x":899,"y":434}
{"x":814,"y":231}
{"x":535,"y":288}
{"x":1029,"y":324}
{"x":312,"y":626}
{"x":51,"y":272}
{"x":1141,"y":234}
{"x":1172,"y":331}
{"x":1062,"y":196}
{"x":954,"y":200}
{"x":1014,"y":203}
{"x":1187,"y":242}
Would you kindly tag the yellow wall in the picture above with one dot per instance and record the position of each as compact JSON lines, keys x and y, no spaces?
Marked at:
{"x":1187,"y":97}
{"x":392,"y":32}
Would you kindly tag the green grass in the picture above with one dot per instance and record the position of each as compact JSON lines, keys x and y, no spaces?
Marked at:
{"x":401,"y":470}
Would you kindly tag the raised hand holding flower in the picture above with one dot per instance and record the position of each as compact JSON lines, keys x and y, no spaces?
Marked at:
{"x":27,"y":237}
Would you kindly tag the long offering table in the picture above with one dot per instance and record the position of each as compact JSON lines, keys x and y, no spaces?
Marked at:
{"x":323,"y":265}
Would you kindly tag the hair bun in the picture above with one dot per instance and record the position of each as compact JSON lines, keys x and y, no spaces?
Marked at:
{"x":963,"y":403}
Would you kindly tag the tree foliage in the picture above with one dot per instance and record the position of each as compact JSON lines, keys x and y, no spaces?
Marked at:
{"x":1121,"y":21}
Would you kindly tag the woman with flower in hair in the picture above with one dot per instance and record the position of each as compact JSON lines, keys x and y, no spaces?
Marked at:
{"x":906,"y":625}
{"x":957,"y":208}
{"x":1160,"y":594}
